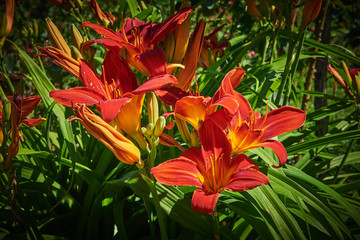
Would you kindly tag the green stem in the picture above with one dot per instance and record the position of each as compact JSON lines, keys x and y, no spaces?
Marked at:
{"x":287,"y":67}
{"x":266,"y":45}
{"x":294,"y":67}
{"x":159,"y":211}
{"x":343,"y":160}
{"x":273,"y":45}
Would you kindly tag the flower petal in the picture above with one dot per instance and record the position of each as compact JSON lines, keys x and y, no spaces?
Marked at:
{"x":110,"y":108}
{"x":32,"y":122}
{"x":121,"y":146}
{"x":90,"y":79}
{"x":179,"y":172}
{"x":185,"y":76}
{"x":170,"y":94}
{"x":154,"y":61}
{"x":246,"y":179}
{"x":169,"y":25}
{"x":278,"y":149}
{"x":70,"y":96}
{"x":279,"y":121}
{"x":215,"y":145}
{"x":191,"y":109}
{"x":106,"y":32}
{"x":122,"y":75}
{"x":155,"y":83}
{"x":204,"y":202}
{"x":28,"y":105}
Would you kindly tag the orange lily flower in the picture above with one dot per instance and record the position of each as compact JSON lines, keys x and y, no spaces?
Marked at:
{"x":195,"y":109}
{"x":123,"y":148}
{"x":115,"y":93}
{"x":246,"y":129}
{"x":7,"y":24}
{"x":211,"y":169}
{"x":137,"y":37}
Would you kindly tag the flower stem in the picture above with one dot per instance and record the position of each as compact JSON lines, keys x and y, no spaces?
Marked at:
{"x":293,"y":68}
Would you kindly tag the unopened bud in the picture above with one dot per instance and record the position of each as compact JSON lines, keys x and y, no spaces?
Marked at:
{"x":153,"y":108}
{"x":159,"y":126}
{"x":310,"y":12}
{"x":55,"y":37}
{"x":76,"y":37}
{"x":90,"y":52}
{"x":150,"y":129}
{"x":75,"y":53}
{"x":357,"y":83}
{"x":6,"y":110}
{"x":143,"y":131}
{"x":35,"y":28}
{"x":194,"y":136}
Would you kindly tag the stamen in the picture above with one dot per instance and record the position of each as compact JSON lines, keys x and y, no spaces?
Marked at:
{"x":105,"y":83}
{"x":122,"y":27}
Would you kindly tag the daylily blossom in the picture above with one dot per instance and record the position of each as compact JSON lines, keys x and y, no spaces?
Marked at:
{"x":122,"y":147}
{"x":115,"y":93}
{"x":211,"y":169}
{"x":136,"y":36}
{"x":246,"y":129}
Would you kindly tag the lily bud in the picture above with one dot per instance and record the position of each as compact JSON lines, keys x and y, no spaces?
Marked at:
{"x":75,"y":53}
{"x":149,"y":129}
{"x":183,"y":129}
{"x":159,"y":126}
{"x":6,"y":112}
{"x":56,"y":39}
{"x":153,"y":108}
{"x":310,"y":12}
{"x":76,"y":37}
{"x":356,"y":83}
{"x":194,"y":138}
{"x":35,"y":28}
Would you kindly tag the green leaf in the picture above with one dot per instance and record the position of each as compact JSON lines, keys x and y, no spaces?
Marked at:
{"x":134,"y":7}
{"x":322,"y":141}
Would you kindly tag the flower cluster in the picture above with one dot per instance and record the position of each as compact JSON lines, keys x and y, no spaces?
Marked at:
{"x":165,"y":57}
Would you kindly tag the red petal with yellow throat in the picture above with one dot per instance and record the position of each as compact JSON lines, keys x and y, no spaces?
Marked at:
{"x":191,"y":109}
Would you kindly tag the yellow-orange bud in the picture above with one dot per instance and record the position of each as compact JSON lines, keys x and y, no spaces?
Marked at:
{"x":56,"y":39}
{"x":153,"y":108}
{"x":76,"y":37}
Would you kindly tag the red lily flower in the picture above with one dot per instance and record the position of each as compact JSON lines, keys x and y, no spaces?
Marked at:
{"x":137,"y":36}
{"x":194,"y":109}
{"x":246,"y":129}
{"x":211,"y":169}
{"x":115,"y":87}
